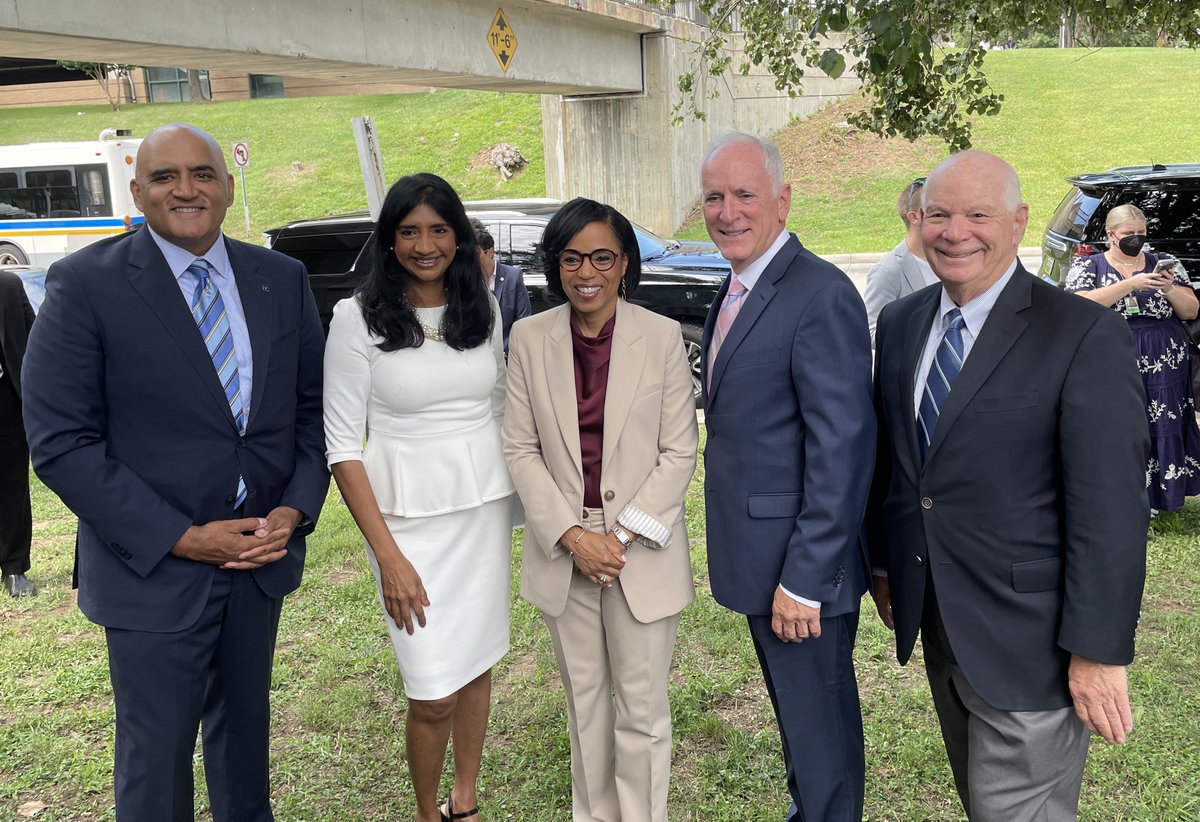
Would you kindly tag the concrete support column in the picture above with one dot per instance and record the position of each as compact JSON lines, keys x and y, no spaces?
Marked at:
{"x":623,"y":150}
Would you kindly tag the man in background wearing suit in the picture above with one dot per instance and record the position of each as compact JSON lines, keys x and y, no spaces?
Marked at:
{"x":504,"y":281}
{"x":1009,"y":510}
{"x":173,"y":402}
{"x":16,"y":520}
{"x":791,"y":437}
{"x":904,"y":269}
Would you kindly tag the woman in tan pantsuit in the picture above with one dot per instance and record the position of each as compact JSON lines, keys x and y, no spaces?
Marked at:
{"x":600,"y":437}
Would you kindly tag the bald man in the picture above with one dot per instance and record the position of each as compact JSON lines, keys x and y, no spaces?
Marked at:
{"x":1008,"y":514}
{"x":172,"y":390}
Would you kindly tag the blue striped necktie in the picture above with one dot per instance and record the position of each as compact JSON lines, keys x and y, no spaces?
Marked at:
{"x":208,"y":310}
{"x":947,"y":363}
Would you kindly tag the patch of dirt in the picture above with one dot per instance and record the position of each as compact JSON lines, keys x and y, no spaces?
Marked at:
{"x":482,"y":160}
{"x":819,"y":153}
{"x":297,"y":171}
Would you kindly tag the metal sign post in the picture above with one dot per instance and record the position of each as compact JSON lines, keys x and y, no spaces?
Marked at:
{"x":370,"y":161}
{"x":241,"y":159}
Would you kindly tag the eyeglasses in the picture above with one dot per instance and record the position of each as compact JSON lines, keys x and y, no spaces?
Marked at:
{"x":602,"y":259}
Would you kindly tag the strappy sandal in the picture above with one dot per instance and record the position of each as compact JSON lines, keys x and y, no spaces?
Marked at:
{"x":450,"y":815}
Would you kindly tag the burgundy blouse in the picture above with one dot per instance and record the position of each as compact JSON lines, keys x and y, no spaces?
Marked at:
{"x":591,"y":384}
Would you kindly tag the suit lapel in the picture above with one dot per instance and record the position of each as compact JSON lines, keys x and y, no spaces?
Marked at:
{"x":560,"y":375}
{"x":999,"y":332}
{"x":254,"y":291}
{"x":915,"y":335}
{"x":628,"y":355}
{"x":911,"y":269}
{"x":754,"y":303}
{"x":710,"y":322}
{"x":151,"y":278}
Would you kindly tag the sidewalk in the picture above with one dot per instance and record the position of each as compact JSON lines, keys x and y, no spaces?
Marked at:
{"x":857,"y":265}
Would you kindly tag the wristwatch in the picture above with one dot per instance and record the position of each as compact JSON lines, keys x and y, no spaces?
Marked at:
{"x":622,"y":536}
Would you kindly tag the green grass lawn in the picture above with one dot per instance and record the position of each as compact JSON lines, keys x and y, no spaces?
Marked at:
{"x":1065,"y":112}
{"x":442,"y":132}
{"x":338,"y":743}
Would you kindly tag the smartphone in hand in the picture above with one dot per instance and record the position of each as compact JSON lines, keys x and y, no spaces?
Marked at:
{"x":1164,"y":264}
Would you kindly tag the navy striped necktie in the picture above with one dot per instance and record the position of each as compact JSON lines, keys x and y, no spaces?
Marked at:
{"x":943,"y":371}
{"x":208,"y":310}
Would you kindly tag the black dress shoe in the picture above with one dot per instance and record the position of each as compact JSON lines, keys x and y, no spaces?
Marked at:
{"x":18,"y":585}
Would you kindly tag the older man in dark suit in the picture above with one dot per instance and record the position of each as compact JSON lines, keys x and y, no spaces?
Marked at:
{"x":1008,"y":515}
{"x":16,"y":521}
{"x":173,"y":402}
{"x":791,"y":438}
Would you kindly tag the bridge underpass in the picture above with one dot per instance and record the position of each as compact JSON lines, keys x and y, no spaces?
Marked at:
{"x":606,"y":70}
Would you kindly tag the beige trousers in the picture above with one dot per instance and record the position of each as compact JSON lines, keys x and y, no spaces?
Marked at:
{"x":614,"y":671}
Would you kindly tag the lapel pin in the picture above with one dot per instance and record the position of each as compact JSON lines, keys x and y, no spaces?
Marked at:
{"x":266,"y":289}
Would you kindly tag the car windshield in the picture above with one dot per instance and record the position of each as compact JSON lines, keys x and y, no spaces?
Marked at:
{"x":650,"y":245}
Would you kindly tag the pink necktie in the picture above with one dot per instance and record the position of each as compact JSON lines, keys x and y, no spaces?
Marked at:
{"x":725,"y":317}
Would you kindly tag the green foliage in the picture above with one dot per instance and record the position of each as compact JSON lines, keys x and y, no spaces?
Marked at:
{"x":918,"y":81}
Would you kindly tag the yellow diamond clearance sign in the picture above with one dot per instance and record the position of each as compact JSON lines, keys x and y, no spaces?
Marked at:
{"x":502,"y":40}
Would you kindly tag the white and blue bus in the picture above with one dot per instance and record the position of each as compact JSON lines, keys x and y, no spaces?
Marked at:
{"x":56,"y":198}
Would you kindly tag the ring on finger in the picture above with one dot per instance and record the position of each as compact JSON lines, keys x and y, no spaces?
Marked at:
{"x":603,"y":578}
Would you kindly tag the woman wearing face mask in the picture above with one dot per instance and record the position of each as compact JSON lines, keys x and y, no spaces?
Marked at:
{"x":1154,"y":301}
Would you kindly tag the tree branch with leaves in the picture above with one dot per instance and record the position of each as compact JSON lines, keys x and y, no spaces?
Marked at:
{"x":106,"y":74}
{"x":917,"y":81}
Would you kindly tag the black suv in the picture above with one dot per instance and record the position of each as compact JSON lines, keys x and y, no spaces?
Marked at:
{"x":1168,"y":194}
{"x":679,"y":280}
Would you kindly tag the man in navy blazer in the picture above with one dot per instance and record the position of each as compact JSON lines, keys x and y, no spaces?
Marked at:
{"x":16,"y":520}
{"x":504,"y":281}
{"x":129,"y":424}
{"x":791,"y":439}
{"x":1008,"y":527}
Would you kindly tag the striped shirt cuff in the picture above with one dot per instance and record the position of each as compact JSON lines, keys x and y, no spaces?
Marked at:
{"x":653,"y":533}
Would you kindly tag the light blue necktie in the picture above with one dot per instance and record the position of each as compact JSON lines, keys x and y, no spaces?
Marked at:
{"x":947,"y":363}
{"x":208,"y":310}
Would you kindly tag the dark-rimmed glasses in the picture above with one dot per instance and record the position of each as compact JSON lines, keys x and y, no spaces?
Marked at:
{"x":602,"y":259}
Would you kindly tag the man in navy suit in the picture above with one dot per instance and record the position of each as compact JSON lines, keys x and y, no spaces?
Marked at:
{"x":791,"y":439}
{"x":16,"y":520}
{"x":194,"y":491}
{"x":504,"y":281}
{"x":1008,"y":519}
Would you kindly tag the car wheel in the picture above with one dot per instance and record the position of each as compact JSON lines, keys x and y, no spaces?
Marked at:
{"x":11,"y":255}
{"x":692,"y":336}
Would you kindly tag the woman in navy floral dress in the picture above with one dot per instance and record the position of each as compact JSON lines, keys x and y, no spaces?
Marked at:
{"x":1154,"y":303}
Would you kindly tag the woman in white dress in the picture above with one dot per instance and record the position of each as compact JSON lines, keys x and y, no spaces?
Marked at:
{"x":415,"y":365}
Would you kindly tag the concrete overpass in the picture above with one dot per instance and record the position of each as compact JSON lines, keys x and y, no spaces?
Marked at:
{"x":606,"y":69}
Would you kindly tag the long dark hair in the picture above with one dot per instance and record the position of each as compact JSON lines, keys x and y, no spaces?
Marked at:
{"x":573,"y":218}
{"x":383,"y":294}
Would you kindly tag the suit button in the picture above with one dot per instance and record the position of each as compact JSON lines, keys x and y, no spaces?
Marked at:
{"x":920,"y":561}
{"x":609,"y":496}
{"x":585,"y":513}
{"x":926,"y":503}
{"x":241,"y":442}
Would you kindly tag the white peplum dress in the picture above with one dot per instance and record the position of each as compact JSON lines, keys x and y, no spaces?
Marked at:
{"x":431,"y":418}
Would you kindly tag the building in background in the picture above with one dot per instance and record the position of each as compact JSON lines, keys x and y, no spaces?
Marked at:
{"x":25,"y":82}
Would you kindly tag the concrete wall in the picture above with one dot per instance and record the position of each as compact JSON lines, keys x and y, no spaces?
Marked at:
{"x":623,"y":149}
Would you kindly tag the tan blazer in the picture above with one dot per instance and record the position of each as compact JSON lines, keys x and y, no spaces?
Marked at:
{"x":649,"y":455}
